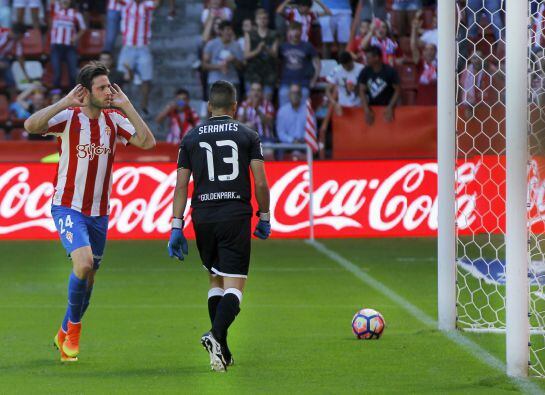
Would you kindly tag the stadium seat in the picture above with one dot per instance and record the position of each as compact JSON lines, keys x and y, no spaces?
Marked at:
{"x":91,"y":43}
{"x":407,"y":76}
{"x":2,"y":135}
{"x":4,"y":109}
{"x":32,"y":44}
{"x":34,"y":70}
{"x":48,"y":76}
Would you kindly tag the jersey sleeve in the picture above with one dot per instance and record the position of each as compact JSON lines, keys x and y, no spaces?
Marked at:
{"x":183,"y":156}
{"x":256,"y":149}
{"x":57,"y":125}
{"x":124,"y":127}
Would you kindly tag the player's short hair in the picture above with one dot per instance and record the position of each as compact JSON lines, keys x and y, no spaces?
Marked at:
{"x":374,"y":50}
{"x":345,"y":58}
{"x":223,"y":95}
{"x":182,"y":91}
{"x":90,"y":71}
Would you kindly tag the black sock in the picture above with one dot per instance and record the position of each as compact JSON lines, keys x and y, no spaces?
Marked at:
{"x":213,"y":302}
{"x":227,"y":310}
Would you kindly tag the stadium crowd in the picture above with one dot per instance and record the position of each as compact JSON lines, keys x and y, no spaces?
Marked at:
{"x":279,"y":54}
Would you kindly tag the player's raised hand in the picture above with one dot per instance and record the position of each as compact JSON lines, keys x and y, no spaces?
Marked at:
{"x":77,"y":97}
{"x":119,"y":99}
{"x":177,"y":245}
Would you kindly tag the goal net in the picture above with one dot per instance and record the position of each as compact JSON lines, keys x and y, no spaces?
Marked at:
{"x":481,"y":171}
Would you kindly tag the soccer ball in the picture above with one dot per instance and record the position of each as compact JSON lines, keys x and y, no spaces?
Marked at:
{"x":368,"y":324}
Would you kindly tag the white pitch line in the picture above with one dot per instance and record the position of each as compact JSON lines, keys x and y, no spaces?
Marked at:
{"x":468,"y":345}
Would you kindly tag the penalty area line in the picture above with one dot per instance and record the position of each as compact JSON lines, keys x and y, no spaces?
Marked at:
{"x":468,"y":345}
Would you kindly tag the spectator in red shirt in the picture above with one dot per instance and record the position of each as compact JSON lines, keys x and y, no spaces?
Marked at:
{"x":67,"y":27}
{"x":426,"y":63}
{"x":257,"y":113}
{"x":300,"y":11}
{"x":182,"y":118}
{"x":355,"y":46}
{"x":379,"y":36}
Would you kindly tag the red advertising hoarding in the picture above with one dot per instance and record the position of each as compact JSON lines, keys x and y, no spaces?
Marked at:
{"x":351,"y":199}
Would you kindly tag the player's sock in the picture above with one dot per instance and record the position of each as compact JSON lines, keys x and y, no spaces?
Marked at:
{"x":214,"y":297}
{"x":86,"y":300}
{"x":76,"y":294}
{"x":227,"y":310}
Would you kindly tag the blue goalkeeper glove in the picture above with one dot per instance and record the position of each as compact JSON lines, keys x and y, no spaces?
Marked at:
{"x":263,"y":227}
{"x":177,"y":245}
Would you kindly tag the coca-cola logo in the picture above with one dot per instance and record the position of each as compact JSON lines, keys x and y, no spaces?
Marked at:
{"x":399,"y":198}
{"x":92,"y":150}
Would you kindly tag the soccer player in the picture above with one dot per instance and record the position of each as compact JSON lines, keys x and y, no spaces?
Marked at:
{"x":87,"y":122}
{"x":220,"y":153}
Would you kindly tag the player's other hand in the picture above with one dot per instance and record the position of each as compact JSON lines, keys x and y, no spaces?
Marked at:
{"x":263,"y":227}
{"x":77,"y":97}
{"x":177,"y":245}
{"x":119,"y":99}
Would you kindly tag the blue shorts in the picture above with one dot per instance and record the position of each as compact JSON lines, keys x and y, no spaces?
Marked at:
{"x":77,"y":230}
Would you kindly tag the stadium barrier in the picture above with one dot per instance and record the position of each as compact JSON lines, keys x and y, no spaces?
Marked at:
{"x":351,"y":199}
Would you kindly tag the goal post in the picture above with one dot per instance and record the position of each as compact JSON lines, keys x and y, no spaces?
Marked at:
{"x":516,"y":237}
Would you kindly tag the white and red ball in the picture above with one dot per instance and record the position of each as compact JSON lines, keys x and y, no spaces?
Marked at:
{"x":368,"y":324}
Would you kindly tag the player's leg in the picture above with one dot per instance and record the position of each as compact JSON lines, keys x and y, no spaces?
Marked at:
{"x":228,"y":307}
{"x":35,"y":13}
{"x":145,"y":68}
{"x":215,"y":293}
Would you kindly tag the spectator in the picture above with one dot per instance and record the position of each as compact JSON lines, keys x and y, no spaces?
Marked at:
{"x":301,"y":12}
{"x":257,"y":113}
{"x":222,"y":57}
{"x":299,"y":65}
{"x":113,"y":23}
{"x":135,"y":54}
{"x":211,"y":28}
{"x":10,"y":44}
{"x":379,"y":86}
{"x":379,"y":35}
{"x":291,"y":118}
{"x":182,"y":118}
{"x":342,"y":87}
{"x":247,"y":27}
{"x":356,"y":47}
{"x":491,"y":8}
{"x":54,"y":96}
{"x":216,"y":10}
{"x":244,"y":9}
{"x":336,"y":27}
{"x":115,"y":76}
{"x":67,"y":26}
{"x":404,"y":12}
{"x":426,"y":64}
{"x":21,"y":5}
{"x":370,"y":9}
{"x":28,"y":102}
{"x":429,"y":36}
{"x":476,"y":83}
{"x":261,"y":53}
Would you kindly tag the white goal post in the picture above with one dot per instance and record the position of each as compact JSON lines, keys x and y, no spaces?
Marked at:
{"x":512,"y":251}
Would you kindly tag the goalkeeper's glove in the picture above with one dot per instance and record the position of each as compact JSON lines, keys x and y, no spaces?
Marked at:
{"x":263,"y":228}
{"x":177,"y":245}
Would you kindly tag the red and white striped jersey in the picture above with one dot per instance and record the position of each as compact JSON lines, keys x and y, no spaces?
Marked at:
{"x":136,"y":23}
{"x":116,"y":5}
{"x":293,"y":15}
{"x":87,"y":150}
{"x":64,"y":24}
{"x":8,"y":46}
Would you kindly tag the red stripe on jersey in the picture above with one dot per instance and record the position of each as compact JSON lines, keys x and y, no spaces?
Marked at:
{"x":104,"y":200}
{"x":59,"y":149}
{"x":136,"y":20}
{"x":126,"y":27}
{"x":58,"y":128}
{"x":73,"y":159}
{"x":89,"y":192}
{"x":123,"y":133}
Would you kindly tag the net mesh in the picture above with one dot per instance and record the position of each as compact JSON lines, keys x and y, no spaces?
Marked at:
{"x":480,"y":174}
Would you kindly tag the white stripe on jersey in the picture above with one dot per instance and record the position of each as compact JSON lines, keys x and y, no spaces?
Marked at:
{"x":136,"y":23}
{"x":65,"y":24}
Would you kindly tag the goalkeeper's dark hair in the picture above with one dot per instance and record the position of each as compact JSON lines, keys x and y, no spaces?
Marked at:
{"x":90,"y":71}
{"x":223,"y":95}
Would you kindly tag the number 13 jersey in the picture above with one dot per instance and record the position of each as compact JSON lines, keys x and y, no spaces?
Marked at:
{"x":218,"y":152}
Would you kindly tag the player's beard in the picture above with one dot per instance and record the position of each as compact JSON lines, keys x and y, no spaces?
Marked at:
{"x":100,"y":104}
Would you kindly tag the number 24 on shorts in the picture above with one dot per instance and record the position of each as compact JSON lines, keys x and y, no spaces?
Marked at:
{"x":67,"y":223}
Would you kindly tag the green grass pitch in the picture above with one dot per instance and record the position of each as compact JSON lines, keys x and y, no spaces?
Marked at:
{"x":141,"y":333}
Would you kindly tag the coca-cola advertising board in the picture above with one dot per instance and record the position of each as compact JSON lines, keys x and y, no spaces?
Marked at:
{"x":351,"y":199}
